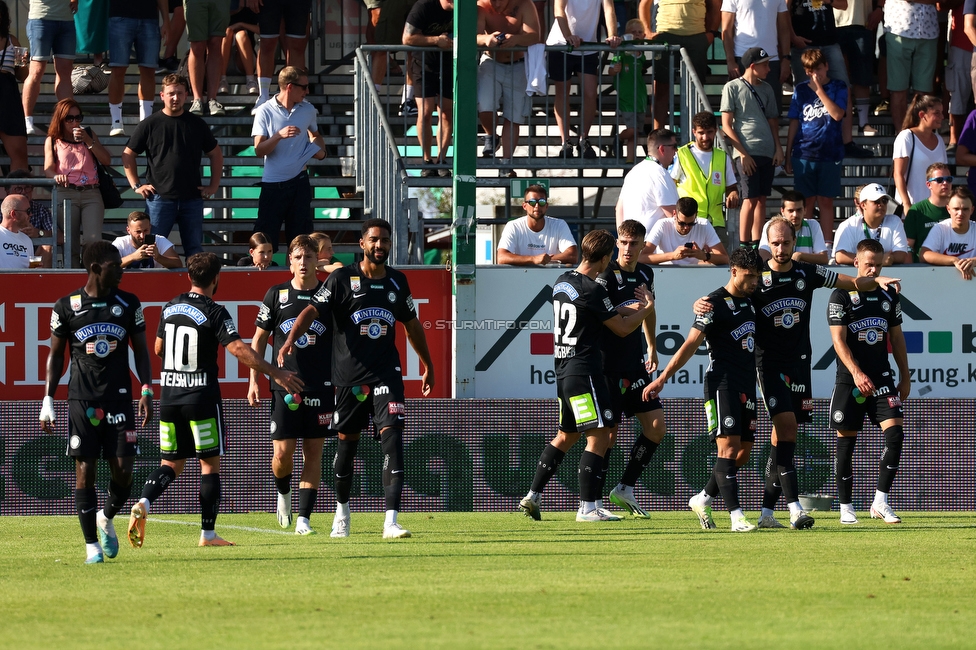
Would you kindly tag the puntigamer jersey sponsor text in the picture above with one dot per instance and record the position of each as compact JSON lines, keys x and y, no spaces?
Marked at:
{"x":312,"y":356}
{"x":867,"y":317}
{"x":782,"y":302}
{"x":193,"y":328}
{"x":730,"y":330}
{"x":624,"y":356}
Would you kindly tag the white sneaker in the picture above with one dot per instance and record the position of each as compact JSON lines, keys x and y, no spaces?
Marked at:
{"x":597,"y":514}
{"x":768,"y":521}
{"x":224,"y":87}
{"x":33,"y":129}
{"x":252,"y":85}
{"x":704,"y":512}
{"x":284,"y":510}
{"x":741,"y":525}
{"x":848,"y":517}
{"x":303,"y":527}
{"x":395,"y":531}
{"x":216,"y":108}
{"x":883,"y":511}
{"x":196,"y":107}
{"x":117,"y":129}
{"x":340,"y":526}
{"x":628,"y":503}
{"x":530,"y":507}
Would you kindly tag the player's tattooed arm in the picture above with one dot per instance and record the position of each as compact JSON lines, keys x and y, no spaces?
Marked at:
{"x":140,"y":350}
{"x":418,"y":340}
{"x":302,"y":323}
{"x":55,"y":368}
{"x":838,"y":334}
{"x":259,"y":343}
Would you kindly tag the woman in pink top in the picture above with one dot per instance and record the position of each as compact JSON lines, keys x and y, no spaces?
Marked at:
{"x":69,"y":158}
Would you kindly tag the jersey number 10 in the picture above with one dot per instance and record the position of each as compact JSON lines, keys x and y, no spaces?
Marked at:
{"x":181,"y":348}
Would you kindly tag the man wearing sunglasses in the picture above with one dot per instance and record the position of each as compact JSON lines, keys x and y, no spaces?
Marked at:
{"x":41,"y":223}
{"x":928,"y":212}
{"x":536,"y":240}
{"x":874,"y":223}
{"x":684,"y":239}
{"x":286,"y":133}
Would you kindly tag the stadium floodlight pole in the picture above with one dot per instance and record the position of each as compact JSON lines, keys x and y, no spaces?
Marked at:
{"x":465,"y":224}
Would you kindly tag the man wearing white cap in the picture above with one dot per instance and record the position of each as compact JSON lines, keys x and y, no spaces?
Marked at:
{"x":876,"y":224}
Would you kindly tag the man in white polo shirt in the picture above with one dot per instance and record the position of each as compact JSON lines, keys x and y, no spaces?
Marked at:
{"x":286,"y":134}
{"x":535,"y":239}
{"x":952,"y":242}
{"x":684,"y":240}
{"x":873,"y":223}
{"x":16,"y":248}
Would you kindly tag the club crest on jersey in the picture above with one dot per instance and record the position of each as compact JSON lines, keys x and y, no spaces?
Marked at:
{"x":869,"y":336}
{"x":855,"y":297}
{"x":116,"y":310}
{"x":620,"y":278}
{"x":767,"y":278}
{"x":373,"y":329}
{"x":786,"y":320}
{"x":886,"y":306}
{"x":282,"y":296}
{"x":101,"y":347}
{"x":730,"y":303}
{"x":801,"y":284}
{"x":354,"y":283}
{"x":75,"y":303}
{"x":391,"y":297}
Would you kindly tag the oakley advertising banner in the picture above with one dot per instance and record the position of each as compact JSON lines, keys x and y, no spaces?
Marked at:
{"x":514,"y":326}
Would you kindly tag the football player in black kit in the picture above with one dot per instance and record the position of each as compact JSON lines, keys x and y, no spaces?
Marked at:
{"x":581,"y":308}
{"x":783,"y":353}
{"x":623,"y":364}
{"x":363,"y":303}
{"x":97,"y":323}
{"x":862,"y":325}
{"x":307,"y":416}
{"x":191,"y":330}
{"x":730,"y":382}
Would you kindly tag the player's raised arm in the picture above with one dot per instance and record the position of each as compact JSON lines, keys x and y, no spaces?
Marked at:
{"x":418,"y":340}
{"x":55,"y":368}
{"x":302,"y":323}
{"x":687,"y":350}
{"x":285,"y":378}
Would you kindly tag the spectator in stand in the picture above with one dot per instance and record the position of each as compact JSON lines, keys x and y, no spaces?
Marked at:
{"x":916,"y":147}
{"x":430,"y":23}
{"x":174,"y":142}
{"x":757,"y":23}
{"x":133,"y":23}
{"x":387,"y":20}
{"x":685,"y":239}
{"x":810,"y":245}
{"x":535,"y":239}
{"x":244,"y":22}
{"x":259,"y":254}
{"x":928,"y":212}
{"x":578,"y":22}
{"x":13,"y":132}
{"x":692,"y":24}
{"x":857,"y":27}
{"x":169,"y":62}
{"x":295,"y":15}
{"x":911,"y":30}
{"x":504,"y":24}
{"x":705,"y":174}
{"x":41,"y":221}
{"x":952,"y":242}
{"x":958,"y":74}
{"x":206,"y":24}
{"x":50,"y":30}
{"x":140,"y":249}
{"x":287,"y":136}
{"x":649,"y":192}
{"x":16,"y":248}
{"x":814,"y":144}
{"x":750,"y":121}
{"x":876,"y":224}
{"x":70,"y":155}
{"x":627,"y":71}
{"x":326,"y":262}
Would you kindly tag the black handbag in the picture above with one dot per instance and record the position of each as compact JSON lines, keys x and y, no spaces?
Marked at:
{"x":106,"y":185}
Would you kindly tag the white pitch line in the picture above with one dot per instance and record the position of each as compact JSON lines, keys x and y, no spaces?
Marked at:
{"x":230,"y":526}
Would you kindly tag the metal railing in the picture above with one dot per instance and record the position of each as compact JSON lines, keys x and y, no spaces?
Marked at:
{"x":380,"y":172}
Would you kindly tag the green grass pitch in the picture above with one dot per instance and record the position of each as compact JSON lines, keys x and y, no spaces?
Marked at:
{"x":495,"y":580}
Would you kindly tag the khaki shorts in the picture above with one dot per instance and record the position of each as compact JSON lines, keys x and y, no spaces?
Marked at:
{"x":206,"y":19}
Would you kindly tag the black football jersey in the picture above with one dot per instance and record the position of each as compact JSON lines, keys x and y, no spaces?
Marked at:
{"x":783,"y":302}
{"x":867,"y":316}
{"x":623,"y":356}
{"x":98,"y":331}
{"x":193,"y":327}
{"x":364,"y":313}
{"x":580,"y":305}
{"x":312,"y":356}
{"x":730,"y":330}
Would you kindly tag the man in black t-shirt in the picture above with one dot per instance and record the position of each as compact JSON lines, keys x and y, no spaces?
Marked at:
{"x":192,"y":328}
{"x":307,"y":416}
{"x":97,"y":323}
{"x":728,"y":329}
{"x":174,"y":142}
{"x":430,"y":23}
{"x":581,"y":308}
{"x":363,"y":303}
{"x":862,"y":325}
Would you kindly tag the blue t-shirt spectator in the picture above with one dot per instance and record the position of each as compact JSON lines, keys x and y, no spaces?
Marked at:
{"x":819,"y":137}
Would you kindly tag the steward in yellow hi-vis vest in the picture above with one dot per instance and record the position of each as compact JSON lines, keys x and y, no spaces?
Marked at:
{"x":707,"y":186}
